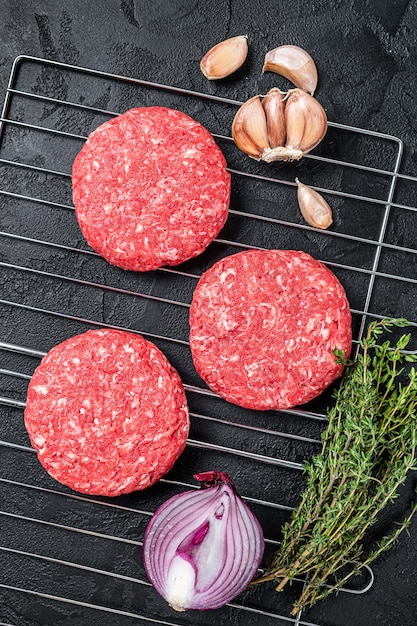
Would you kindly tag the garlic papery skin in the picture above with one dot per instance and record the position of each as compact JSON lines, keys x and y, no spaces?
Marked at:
{"x":225,"y":58}
{"x":295,"y":64}
{"x":280,"y":127}
{"x":314,"y":208}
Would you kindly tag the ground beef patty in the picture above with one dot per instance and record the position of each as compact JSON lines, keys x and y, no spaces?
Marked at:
{"x":263,"y":325}
{"x":150,"y":188}
{"x":106,"y":413}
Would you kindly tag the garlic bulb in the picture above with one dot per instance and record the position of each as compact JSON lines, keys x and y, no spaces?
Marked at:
{"x":281,"y":127}
{"x":293,"y":63}
{"x":224,"y":58}
{"x":313,"y":206}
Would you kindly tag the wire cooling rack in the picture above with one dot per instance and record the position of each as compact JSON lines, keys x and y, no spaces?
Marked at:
{"x":70,"y":556}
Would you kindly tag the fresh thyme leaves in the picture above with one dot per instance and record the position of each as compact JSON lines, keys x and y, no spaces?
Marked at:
{"x":367,"y":449}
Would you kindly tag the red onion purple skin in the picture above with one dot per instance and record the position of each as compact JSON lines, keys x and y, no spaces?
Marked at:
{"x":202,"y":548}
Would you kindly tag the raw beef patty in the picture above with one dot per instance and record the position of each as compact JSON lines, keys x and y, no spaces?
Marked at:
{"x":106,"y":413}
{"x":150,"y":188}
{"x":263,"y":327}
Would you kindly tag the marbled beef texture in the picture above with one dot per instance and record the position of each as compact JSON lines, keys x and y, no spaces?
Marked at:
{"x":264,"y":324}
{"x":150,"y":188}
{"x":106,"y":413}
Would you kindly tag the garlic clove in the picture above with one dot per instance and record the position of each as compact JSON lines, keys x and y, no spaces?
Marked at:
{"x":274,"y":106}
{"x":224,"y":58}
{"x":295,"y":64}
{"x":314,"y":208}
{"x":249,"y":128}
{"x":305,"y":122}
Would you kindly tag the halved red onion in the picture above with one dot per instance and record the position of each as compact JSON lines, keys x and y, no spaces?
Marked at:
{"x":202,"y":548}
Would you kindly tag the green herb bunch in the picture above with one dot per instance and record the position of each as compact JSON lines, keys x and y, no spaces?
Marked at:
{"x":367,"y":449}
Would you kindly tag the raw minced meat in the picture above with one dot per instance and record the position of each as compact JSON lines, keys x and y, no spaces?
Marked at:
{"x":263,"y":327}
{"x":106,"y":413}
{"x":150,"y":188}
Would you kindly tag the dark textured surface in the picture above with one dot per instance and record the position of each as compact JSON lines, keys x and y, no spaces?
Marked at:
{"x":366,"y":54}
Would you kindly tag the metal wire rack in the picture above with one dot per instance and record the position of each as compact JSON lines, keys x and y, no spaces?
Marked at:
{"x":68,"y":554}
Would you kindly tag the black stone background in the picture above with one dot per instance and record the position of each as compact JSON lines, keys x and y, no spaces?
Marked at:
{"x":366,"y":52}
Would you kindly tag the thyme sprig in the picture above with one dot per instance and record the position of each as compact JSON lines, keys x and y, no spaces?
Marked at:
{"x":367,"y":450}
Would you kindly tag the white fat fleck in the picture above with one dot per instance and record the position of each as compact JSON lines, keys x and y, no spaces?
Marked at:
{"x":96,"y":165}
{"x":76,"y":360}
{"x":73,"y":425}
{"x":61,"y":402}
{"x":253,"y":368}
{"x":125,"y":447}
{"x":290,"y":343}
{"x":127,"y":348}
{"x":39,"y":441}
{"x":268,"y":313}
{"x":86,"y":403}
{"x":228,"y":324}
{"x":171,"y":254}
{"x":167,"y":183}
{"x":227,"y":274}
{"x":42,"y":389}
{"x":310,"y":324}
{"x":158,"y":437}
{"x":190,"y":152}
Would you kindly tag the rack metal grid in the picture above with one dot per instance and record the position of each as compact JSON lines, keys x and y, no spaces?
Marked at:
{"x":70,"y":554}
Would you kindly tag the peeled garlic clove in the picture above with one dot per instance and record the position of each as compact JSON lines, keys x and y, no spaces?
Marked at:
{"x":274,"y":107}
{"x":249,"y":128}
{"x":295,"y":64}
{"x":313,"y":206}
{"x":224,"y":58}
{"x":305,"y":122}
